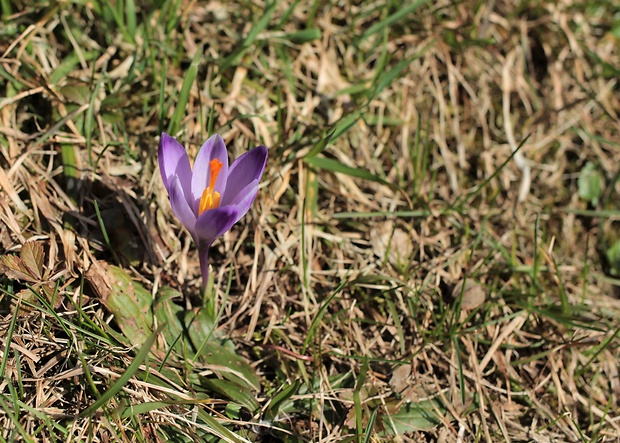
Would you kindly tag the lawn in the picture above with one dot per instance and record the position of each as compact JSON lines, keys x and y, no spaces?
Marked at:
{"x":433,"y":254}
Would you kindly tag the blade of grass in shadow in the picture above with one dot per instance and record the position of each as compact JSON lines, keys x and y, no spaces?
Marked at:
{"x":16,"y":83}
{"x":401,"y":13}
{"x":61,"y":321}
{"x":211,"y":120}
{"x":186,"y":88}
{"x":168,"y":17}
{"x":368,"y":434}
{"x":304,"y":261}
{"x":478,"y":190}
{"x":329,"y":164}
{"x":130,"y":16}
{"x":397,"y":323}
{"x":8,"y":337}
{"x":104,"y":231}
{"x":5,"y":5}
{"x":605,"y":213}
{"x":50,"y":422}
{"x":69,"y":169}
{"x":218,"y":429}
{"x":258,"y":27}
{"x":420,"y":213}
{"x":286,"y":15}
{"x":11,"y":413}
{"x":380,"y":82}
{"x":564,"y":302}
{"x":319,"y":316}
{"x":59,"y":124}
{"x":122,"y":381}
{"x":357,"y":401}
{"x":303,"y":36}
{"x":343,"y":125}
{"x":143,"y":408}
{"x":233,"y":391}
{"x":68,"y":65}
{"x":273,"y":408}
{"x":162,"y":97}
{"x":119,"y":19}
{"x":312,"y":195}
{"x":89,"y":120}
{"x":604,"y":345}
{"x":385,"y":78}
{"x":17,"y":392}
{"x":459,"y":365}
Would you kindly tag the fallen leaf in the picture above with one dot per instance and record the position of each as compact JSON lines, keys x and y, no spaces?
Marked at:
{"x":13,"y":267}
{"x":400,"y":378}
{"x":472,"y":296}
{"x":32,"y":257}
{"x":28,"y":266}
{"x":394,"y":242}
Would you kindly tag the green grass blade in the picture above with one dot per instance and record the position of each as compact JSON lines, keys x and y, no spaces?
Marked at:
{"x":11,"y":411}
{"x":386,"y":79}
{"x":143,"y":408}
{"x":104,"y":231}
{"x":131,"y":18}
{"x":6,"y":9}
{"x":281,"y":397}
{"x":162,"y":95}
{"x":368,"y":434}
{"x":401,"y":13}
{"x":127,"y":375}
{"x":89,"y":121}
{"x":8,"y":336}
{"x":319,"y":316}
{"x":303,"y":36}
{"x":219,"y":429}
{"x":495,"y":173}
{"x":344,"y":124}
{"x":397,"y":214}
{"x":258,"y":27}
{"x":69,"y":169}
{"x":329,"y":164}
{"x":186,"y":88}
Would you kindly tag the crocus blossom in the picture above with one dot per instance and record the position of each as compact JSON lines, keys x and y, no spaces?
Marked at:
{"x":210,"y":198}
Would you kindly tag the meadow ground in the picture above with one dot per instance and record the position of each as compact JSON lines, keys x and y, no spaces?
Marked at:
{"x":433,"y":254}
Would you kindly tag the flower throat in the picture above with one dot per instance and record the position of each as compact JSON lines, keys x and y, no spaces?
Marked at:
{"x":210,"y":198}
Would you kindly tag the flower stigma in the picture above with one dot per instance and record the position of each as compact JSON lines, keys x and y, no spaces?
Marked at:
{"x":211,"y":199}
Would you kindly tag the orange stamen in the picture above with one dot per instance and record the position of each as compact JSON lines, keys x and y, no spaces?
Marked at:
{"x":210,"y":198}
{"x":215,"y":166}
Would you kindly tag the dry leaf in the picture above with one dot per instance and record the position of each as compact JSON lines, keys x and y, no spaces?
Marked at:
{"x":28,"y":266}
{"x":396,"y":243}
{"x":15,"y":268}
{"x":473,"y":294}
{"x":401,"y":378}
{"x":32,"y":258}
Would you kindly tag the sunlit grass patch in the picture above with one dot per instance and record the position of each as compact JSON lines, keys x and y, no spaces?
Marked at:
{"x":432,"y":255}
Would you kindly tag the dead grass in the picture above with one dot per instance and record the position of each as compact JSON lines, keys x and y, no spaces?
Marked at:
{"x":418,"y":260}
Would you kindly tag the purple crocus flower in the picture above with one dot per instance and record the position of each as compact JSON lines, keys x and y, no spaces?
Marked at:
{"x":212,"y":197}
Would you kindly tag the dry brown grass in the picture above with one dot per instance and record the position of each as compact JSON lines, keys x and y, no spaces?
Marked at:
{"x":347,"y":284}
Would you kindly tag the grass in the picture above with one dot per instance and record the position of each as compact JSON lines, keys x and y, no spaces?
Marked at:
{"x":432,"y":256}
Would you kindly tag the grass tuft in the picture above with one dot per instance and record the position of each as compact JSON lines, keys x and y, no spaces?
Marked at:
{"x":433,"y":254}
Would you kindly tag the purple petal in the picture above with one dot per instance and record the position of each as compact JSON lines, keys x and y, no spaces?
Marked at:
{"x":215,"y":222}
{"x":173,"y":162}
{"x":214,"y":147}
{"x":244,"y":199}
{"x":180,"y":207}
{"x":247,"y":168}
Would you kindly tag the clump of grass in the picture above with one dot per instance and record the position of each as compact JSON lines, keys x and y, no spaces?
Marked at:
{"x":432,"y":255}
